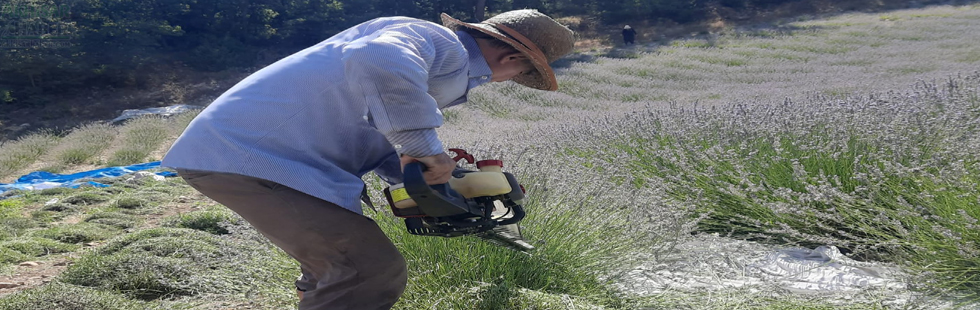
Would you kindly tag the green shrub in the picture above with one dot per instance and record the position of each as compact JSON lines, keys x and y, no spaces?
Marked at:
{"x":127,"y":157}
{"x":119,"y":243}
{"x":46,"y":216}
{"x":130,"y":203}
{"x":152,"y":264}
{"x":84,"y":143}
{"x":16,"y":156}
{"x":17,"y":223}
{"x":78,"y":233}
{"x":56,"y":191}
{"x":13,"y":193}
{"x":114,"y":219}
{"x":86,"y":198}
{"x":137,"y":276}
{"x":502,"y":295}
{"x":151,"y":197}
{"x":112,"y":190}
{"x":75,"y":156}
{"x":11,"y":207}
{"x":119,"y":182}
{"x":8,"y":255}
{"x":210,"y":220}
{"x":141,"y":137}
{"x":13,"y":227}
{"x":61,"y":296}
{"x":59,"y":207}
{"x":572,"y":256}
{"x":168,"y":262}
{"x":159,"y":189}
{"x":36,"y":246}
{"x":888,"y":182}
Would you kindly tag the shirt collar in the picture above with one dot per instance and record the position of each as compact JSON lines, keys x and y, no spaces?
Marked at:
{"x":480,"y":72}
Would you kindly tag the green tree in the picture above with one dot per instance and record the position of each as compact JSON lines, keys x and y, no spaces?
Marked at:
{"x":127,"y":43}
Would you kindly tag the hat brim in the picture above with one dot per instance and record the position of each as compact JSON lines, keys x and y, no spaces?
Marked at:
{"x":543,"y":77}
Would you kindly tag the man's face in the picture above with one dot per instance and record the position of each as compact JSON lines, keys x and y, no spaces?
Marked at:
{"x":506,"y":70}
{"x":505,"y":63}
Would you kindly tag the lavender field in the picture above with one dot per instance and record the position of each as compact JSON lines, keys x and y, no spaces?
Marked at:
{"x":858,"y":131}
{"x":850,"y":54}
{"x":669,"y":175}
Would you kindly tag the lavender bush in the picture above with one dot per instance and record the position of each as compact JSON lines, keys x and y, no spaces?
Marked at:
{"x":140,"y":137}
{"x":84,"y":144}
{"x":838,"y":56}
{"x":15,"y":156}
{"x":857,"y":131}
{"x":888,"y":176}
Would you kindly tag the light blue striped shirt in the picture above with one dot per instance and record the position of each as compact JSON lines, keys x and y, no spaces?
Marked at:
{"x":319,"y":119}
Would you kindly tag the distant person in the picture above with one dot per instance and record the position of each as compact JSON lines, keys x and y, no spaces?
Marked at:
{"x":287,"y":146}
{"x":629,"y":35}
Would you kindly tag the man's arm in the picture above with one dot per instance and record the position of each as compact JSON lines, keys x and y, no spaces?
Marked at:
{"x":391,"y":170}
{"x":440,"y":169}
{"x":391,"y":71}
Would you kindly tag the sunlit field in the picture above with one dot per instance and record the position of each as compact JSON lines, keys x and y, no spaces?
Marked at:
{"x":858,"y":131}
{"x":853,"y":54}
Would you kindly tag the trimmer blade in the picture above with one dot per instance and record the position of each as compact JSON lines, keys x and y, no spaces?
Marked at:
{"x":508,"y":236}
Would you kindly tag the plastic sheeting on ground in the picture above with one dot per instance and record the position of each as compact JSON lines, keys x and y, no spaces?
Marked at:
{"x":163,"y":111}
{"x":708,"y":263}
{"x":820,"y":269}
{"x":42,"y":179}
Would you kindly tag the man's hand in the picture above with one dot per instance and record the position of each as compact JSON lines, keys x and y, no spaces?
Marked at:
{"x":440,"y":167}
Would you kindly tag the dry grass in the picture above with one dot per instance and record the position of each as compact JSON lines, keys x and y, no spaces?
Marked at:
{"x":83,"y":145}
{"x":17,"y":155}
{"x":140,"y":137}
{"x":91,"y":146}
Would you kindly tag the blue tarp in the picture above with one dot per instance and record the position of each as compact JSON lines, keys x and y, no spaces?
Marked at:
{"x":41,"y":179}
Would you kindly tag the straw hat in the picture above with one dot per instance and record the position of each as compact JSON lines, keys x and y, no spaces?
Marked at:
{"x":536,"y":35}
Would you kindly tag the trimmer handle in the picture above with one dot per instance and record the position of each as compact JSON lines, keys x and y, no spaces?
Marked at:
{"x":462,"y":154}
{"x":434,"y":200}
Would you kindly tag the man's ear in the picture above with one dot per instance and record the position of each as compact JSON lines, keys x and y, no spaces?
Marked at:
{"x":512,"y":57}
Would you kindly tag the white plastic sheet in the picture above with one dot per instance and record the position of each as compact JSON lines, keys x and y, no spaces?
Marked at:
{"x":820,"y":269}
{"x":708,"y":263}
{"x":162,"y":111}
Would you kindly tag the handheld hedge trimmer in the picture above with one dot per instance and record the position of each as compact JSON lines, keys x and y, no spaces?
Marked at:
{"x":485,"y":203}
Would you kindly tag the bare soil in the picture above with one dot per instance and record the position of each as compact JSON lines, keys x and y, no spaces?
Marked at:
{"x":38,"y":272}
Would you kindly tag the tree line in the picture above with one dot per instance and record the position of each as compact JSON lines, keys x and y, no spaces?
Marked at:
{"x":55,"y":47}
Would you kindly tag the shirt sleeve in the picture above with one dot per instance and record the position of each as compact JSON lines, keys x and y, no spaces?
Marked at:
{"x":390,"y":69}
{"x":391,"y":170}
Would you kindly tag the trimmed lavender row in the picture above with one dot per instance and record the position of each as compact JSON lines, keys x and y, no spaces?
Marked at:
{"x":889,"y":176}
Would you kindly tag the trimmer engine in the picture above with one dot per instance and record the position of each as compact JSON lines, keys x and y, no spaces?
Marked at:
{"x":485,"y":203}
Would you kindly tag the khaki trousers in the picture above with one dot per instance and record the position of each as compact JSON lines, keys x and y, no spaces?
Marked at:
{"x":346,"y":260}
